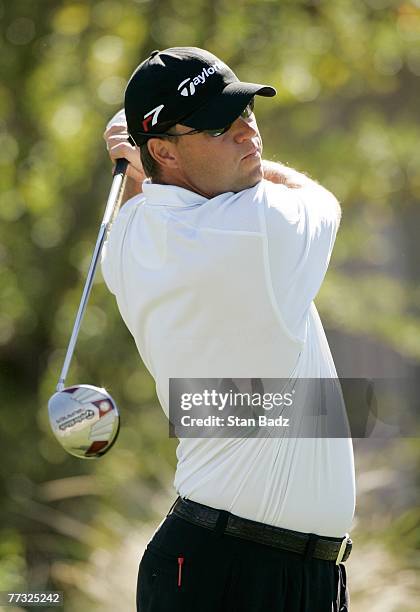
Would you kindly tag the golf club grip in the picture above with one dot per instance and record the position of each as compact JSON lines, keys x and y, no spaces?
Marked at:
{"x":112,"y":206}
{"x":120,"y":166}
{"x":115,"y":194}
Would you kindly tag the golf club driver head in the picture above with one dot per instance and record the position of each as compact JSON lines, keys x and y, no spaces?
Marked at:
{"x":85,"y":420}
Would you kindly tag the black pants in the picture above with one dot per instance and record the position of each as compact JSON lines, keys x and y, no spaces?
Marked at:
{"x":187,"y":568}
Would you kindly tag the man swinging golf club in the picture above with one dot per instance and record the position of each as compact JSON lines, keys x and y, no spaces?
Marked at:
{"x":215,"y":263}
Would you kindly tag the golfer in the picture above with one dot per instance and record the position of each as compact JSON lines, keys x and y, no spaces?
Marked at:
{"x":215,"y":261}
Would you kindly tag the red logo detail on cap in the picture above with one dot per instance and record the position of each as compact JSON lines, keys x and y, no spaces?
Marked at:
{"x":146,"y":123}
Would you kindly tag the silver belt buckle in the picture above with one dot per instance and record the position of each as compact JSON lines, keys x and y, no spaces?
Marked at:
{"x":342,"y":549}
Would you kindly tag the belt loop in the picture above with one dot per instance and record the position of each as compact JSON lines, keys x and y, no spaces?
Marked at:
{"x":310,"y":546}
{"x":221,"y":522}
{"x":343,"y":549}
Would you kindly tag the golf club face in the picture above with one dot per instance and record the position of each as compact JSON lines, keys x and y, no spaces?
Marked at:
{"x":85,"y":420}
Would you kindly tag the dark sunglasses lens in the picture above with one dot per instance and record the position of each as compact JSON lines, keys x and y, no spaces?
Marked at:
{"x":219,"y":132}
{"x":247,"y":112}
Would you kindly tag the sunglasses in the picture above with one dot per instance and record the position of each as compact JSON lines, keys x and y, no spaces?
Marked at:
{"x":247,"y":112}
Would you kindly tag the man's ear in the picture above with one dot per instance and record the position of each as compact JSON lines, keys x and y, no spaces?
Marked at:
{"x":163,"y":151}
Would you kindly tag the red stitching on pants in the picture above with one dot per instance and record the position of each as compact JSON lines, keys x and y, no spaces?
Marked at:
{"x":180,"y":562}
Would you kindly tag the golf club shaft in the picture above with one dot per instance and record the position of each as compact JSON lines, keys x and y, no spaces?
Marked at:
{"x":112,"y":206}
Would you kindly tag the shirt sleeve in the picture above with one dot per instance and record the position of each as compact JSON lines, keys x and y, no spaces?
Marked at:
{"x":300,"y":228}
{"x":106,"y":266}
{"x":111,"y":256}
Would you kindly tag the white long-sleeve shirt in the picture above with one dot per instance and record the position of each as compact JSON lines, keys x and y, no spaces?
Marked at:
{"x":224,"y":288}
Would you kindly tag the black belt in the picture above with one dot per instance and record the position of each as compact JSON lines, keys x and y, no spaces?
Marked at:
{"x":307,"y":544}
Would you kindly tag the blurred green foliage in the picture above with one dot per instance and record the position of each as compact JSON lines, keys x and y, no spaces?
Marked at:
{"x":347,"y":74}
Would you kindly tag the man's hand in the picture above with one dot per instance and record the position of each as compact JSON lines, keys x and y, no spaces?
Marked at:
{"x":116,"y":139}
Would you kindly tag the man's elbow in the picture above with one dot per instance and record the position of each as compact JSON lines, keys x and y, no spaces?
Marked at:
{"x":332,"y":202}
{"x":337,"y":208}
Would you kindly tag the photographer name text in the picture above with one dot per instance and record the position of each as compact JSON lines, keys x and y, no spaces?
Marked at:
{"x":233,"y":421}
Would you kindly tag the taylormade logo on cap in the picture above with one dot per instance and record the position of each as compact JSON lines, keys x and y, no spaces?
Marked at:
{"x":200,"y":79}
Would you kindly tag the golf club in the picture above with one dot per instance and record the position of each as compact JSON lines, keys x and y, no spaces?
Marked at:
{"x":85,"y":419}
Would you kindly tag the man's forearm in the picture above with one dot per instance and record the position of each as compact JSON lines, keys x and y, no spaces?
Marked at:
{"x":281,"y":174}
{"x":277,"y":173}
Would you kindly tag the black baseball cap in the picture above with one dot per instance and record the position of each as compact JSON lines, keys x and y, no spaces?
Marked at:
{"x":185,"y":85}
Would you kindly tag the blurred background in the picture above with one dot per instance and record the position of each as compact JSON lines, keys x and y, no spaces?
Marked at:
{"x":347,"y":112}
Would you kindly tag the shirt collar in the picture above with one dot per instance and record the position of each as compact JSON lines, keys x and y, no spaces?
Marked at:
{"x":170,"y":195}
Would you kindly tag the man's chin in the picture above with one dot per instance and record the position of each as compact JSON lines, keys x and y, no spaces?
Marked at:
{"x":245,"y":182}
{"x":253,"y":179}
{"x":247,"y":186}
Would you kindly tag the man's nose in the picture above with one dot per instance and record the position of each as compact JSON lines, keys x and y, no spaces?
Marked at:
{"x":244,"y":129}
